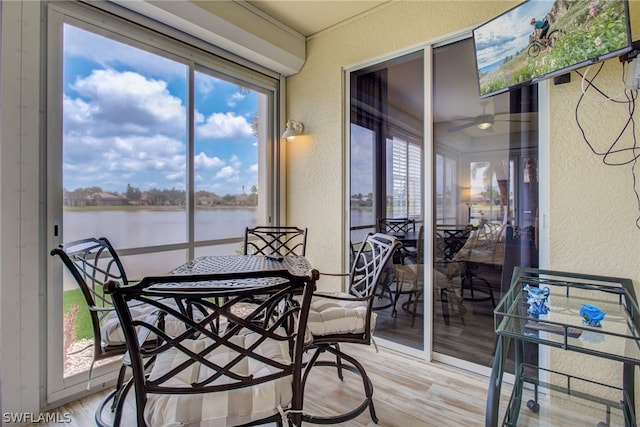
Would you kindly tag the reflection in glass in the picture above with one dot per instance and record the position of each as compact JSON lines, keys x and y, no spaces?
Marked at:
{"x":485,"y":187}
{"x":386,"y":176}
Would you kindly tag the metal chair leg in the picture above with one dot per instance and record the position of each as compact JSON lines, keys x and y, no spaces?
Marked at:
{"x":353,"y":366}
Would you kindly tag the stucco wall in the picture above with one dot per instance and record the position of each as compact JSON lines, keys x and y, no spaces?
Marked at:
{"x":593,"y":208}
{"x":592,"y":213}
{"x":315,"y":96}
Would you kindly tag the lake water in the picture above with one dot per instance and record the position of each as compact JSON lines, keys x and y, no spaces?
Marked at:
{"x":361,"y":217}
{"x":132,"y":229}
{"x":135,"y":229}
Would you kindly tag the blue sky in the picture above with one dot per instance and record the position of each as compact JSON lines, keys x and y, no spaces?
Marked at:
{"x":125,"y":121}
{"x":509,"y":33}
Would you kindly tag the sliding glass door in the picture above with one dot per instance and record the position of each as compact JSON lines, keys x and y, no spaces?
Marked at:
{"x":386,"y":179}
{"x":485,"y":206}
{"x":482,"y":220}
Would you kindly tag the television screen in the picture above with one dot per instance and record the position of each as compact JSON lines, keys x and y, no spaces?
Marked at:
{"x":541,"y":38}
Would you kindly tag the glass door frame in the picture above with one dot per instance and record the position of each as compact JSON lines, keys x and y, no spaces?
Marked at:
{"x":425,"y":353}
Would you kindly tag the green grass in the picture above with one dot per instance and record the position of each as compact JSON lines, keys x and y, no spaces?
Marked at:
{"x":83,"y":327}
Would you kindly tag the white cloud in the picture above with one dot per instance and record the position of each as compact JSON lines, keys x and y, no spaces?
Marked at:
{"x":127,"y":102}
{"x":112,"y":162}
{"x":204,"y":86}
{"x":77,"y":111}
{"x":226,"y":172}
{"x":224,"y":125}
{"x":235,"y":161}
{"x":205,"y":162}
{"x":233,"y":99}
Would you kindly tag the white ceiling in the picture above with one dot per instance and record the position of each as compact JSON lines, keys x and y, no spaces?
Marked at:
{"x":309,"y":17}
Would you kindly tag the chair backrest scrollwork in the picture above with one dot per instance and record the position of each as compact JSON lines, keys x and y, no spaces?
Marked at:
{"x":396,"y":225}
{"x":368,"y":265}
{"x":275,"y":240}
{"x":93,"y":262}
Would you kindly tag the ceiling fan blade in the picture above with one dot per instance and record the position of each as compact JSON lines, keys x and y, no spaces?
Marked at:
{"x":456,"y":118}
{"x":460,"y":127}
{"x":513,"y":120}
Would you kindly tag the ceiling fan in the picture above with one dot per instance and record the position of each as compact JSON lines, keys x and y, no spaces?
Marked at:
{"x":483,"y":121}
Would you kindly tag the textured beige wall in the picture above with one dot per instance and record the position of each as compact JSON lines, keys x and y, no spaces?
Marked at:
{"x":593,"y":205}
{"x":593,"y":208}
{"x":594,"y":211}
{"x":315,"y":96}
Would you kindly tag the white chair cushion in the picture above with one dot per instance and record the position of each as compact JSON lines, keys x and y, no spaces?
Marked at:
{"x":346,"y":315}
{"x":112,"y":333}
{"x":229,"y":408}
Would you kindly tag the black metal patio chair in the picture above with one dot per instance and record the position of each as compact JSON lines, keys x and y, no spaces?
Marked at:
{"x":398,"y":227}
{"x":240,"y":364}
{"x":348,"y":317}
{"x":275,"y":240}
{"x":92,"y":262}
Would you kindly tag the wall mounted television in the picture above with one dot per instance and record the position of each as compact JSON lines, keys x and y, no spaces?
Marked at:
{"x":580,"y":32}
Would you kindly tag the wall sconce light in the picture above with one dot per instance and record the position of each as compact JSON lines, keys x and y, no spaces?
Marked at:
{"x":294,"y":128}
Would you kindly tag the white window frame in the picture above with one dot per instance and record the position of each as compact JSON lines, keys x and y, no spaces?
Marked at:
{"x":199,"y":56}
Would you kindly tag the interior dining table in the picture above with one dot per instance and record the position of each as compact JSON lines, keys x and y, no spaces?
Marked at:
{"x":407,"y":238}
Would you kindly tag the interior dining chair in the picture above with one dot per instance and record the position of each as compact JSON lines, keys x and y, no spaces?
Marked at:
{"x":348,"y":317}
{"x":398,"y":227}
{"x":92,"y":262}
{"x":275,"y":240}
{"x":409,"y":280}
{"x":236,"y":366}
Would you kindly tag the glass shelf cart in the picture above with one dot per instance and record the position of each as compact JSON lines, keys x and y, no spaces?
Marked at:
{"x":617,"y":338}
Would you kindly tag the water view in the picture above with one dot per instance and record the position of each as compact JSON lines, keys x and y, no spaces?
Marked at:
{"x":140,"y":228}
{"x":127,"y":228}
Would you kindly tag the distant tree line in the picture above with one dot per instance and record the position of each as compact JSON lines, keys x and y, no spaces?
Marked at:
{"x":360,"y":199}
{"x":96,"y":196}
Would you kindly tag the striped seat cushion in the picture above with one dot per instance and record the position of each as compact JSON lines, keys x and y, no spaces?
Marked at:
{"x":226,"y":408}
{"x":112,"y":333}
{"x":328,"y":316}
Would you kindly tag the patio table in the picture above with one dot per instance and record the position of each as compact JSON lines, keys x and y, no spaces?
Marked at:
{"x":253,"y":265}
{"x":296,"y":265}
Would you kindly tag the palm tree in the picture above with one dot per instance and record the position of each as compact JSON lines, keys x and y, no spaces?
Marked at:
{"x":499,"y":169}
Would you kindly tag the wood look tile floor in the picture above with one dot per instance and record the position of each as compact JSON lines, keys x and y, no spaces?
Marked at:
{"x":407,"y":393}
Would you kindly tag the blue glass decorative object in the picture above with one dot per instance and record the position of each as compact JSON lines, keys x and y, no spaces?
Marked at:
{"x":538,"y":300}
{"x":591,"y":315}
